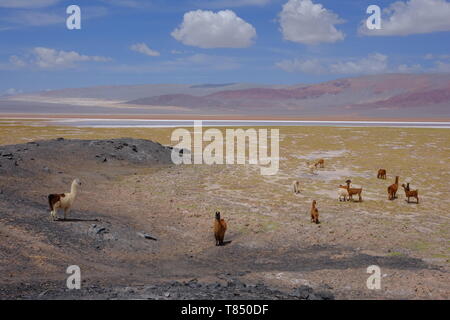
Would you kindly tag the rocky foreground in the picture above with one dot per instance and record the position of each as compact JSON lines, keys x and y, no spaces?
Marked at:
{"x":121,"y":256}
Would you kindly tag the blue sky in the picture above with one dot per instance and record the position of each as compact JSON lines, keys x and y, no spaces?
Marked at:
{"x":200,"y":41}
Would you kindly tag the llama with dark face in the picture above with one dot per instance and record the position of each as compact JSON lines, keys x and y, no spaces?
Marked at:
{"x":411,"y":193}
{"x":353,"y":191}
{"x":220,"y":226}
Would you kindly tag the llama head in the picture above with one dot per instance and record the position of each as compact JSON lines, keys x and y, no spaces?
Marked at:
{"x":217,"y":215}
{"x":348,"y":181}
{"x":76,"y":183}
{"x":314,"y":202}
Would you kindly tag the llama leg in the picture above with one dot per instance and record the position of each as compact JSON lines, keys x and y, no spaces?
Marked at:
{"x":66,"y":212}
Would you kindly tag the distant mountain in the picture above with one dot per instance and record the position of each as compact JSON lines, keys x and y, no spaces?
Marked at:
{"x":380,"y":96}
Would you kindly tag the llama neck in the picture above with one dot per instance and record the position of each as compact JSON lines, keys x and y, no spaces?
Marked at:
{"x":73,"y":190}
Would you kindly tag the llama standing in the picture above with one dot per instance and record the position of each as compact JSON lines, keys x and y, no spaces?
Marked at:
{"x":63,"y":200}
{"x":343,"y":193}
{"x":392,"y":189}
{"x":220,"y":226}
{"x":296,"y":187}
{"x":353,"y":191}
{"x":314,"y":213}
{"x":410,"y":193}
{"x":381,"y":174}
{"x":320,"y":163}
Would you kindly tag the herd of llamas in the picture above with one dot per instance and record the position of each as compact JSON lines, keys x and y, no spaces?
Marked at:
{"x":346,"y":192}
{"x":64,"y":201}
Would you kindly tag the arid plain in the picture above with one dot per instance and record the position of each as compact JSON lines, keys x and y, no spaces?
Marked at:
{"x":272,"y":239}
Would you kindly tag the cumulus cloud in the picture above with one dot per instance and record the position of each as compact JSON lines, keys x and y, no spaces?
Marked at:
{"x":207,"y":29}
{"x":144,"y":49}
{"x":373,"y":64}
{"x":47,"y":58}
{"x":26,"y":3}
{"x":303,"y":21}
{"x":233,"y":3}
{"x":412,"y":17}
{"x":17,"y":62}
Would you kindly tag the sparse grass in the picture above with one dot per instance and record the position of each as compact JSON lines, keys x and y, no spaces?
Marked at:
{"x":266,"y":204}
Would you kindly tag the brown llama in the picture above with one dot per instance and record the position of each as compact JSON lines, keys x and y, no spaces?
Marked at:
{"x":353,"y":191}
{"x":220,"y":226}
{"x":314,"y":213}
{"x":411,"y":193}
{"x":392,"y":189}
{"x":381,"y":174}
{"x":320,"y":163}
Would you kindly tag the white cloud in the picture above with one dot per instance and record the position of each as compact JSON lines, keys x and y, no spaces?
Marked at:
{"x":17,"y":62}
{"x":412,"y":17}
{"x":233,"y":3}
{"x":34,"y":18}
{"x":303,"y":21}
{"x":372,"y":64}
{"x":144,"y":49}
{"x":128,"y":3}
{"x":12,"y":91}
{"x":198,"y":63}
{"x":404,"y":68}
{"x":48,"y":17}
{"x":206,"y":29}
{"x":26,"y":3}
{"x":47,"y":58}
{"x":309,"y":66}
{"x":442,"y":67}
{"x":50,"y":58}
{"x":431,"y":56}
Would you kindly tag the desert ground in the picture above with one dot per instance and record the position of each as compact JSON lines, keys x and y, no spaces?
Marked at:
{"x":273,"y":250}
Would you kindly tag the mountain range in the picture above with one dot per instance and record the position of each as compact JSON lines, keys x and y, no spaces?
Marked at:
{"x":376,"y":96}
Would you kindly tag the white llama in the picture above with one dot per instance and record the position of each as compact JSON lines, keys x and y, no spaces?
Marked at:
{"x":63,"y":201}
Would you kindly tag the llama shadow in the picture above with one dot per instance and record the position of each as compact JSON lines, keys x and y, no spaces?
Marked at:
{"x":225,"y":243}
{"x":77,"y":220}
